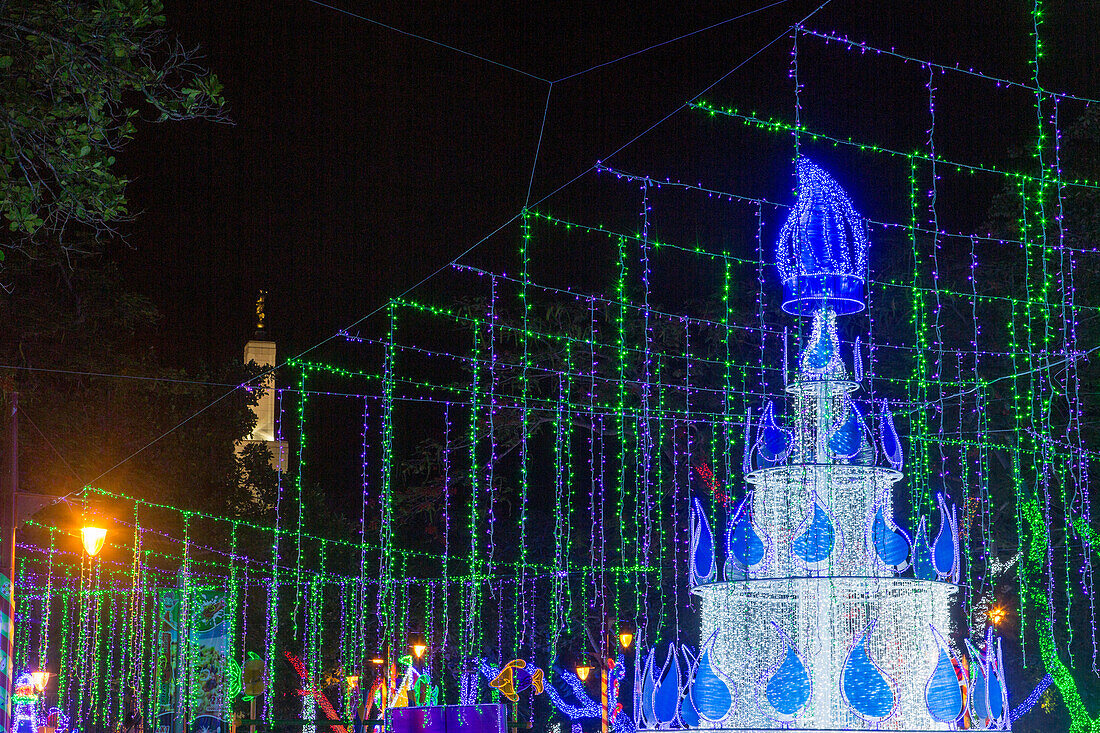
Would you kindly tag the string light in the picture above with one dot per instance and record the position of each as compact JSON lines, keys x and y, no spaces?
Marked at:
{"x":639,"y":398}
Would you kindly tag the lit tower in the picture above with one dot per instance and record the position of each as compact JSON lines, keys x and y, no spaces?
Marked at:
{"x":261,"y":350}
{"x":825,"y":615}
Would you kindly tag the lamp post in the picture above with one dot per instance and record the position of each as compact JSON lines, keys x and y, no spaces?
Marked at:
{"x":610,"y":636}
{"x":417,"y":646}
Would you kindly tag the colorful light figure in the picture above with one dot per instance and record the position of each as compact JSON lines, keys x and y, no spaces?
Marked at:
{"x":24,"y":717}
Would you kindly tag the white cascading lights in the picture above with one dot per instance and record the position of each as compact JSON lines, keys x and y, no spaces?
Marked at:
{"x":818,"y":611}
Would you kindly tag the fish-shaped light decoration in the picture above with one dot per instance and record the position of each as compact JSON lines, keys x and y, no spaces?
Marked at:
{"x":689,"y":716}
{"x":922,"y":555}
{"x":666,"y":694}
{"x":517,"y":676}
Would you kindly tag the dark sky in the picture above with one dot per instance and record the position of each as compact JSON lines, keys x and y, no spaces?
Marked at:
{"x":361,"y":159}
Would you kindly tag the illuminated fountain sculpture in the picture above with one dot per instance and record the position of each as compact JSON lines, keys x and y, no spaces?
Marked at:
{"x":818,"y":611}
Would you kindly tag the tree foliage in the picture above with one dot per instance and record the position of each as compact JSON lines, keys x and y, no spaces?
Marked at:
{"x":65,"y":332}
{"x":75,"y":78}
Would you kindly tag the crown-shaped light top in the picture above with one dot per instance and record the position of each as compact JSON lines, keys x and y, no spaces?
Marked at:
{"x":822,"y":248}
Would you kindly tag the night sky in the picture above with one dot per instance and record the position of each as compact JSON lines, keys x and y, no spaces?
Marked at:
{"x":362,"y":159}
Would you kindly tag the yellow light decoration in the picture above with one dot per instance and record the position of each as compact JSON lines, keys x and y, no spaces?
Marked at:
{"x":626,"y":634}
{"x":996,"y":615}
{"x":93,"y":538}
{"x":583,"y":670}
{"x":40,"y":680}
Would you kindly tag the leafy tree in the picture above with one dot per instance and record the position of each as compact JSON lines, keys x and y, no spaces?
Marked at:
{"x":64,"y":329}
{"x":75,"y":77}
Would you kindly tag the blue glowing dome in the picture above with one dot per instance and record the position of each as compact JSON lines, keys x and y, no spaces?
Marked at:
{"x":822,"y":248}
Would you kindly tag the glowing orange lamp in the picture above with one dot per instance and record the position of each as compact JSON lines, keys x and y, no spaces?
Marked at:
{"x":40,"y":680}
{"x":93,"y":538}
{"x":583,"y":670}
{"x":418,"y":646}
{"x":626,"y":634}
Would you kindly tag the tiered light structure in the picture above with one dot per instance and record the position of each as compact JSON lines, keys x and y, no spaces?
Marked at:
{"x":825,"y":614}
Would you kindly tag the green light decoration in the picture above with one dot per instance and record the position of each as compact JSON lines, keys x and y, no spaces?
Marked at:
{"x":1035,"y":563}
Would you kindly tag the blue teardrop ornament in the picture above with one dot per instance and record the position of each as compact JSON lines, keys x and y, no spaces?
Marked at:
{"x":788,"y":687}
{"x":944,"y":558}
{"x":891,"y":444}
{"x":649,"y":717}
{"x":993,"y":666}
{"x":942,"y":693}
{"x":979,"y":690}
{"x":703,"y":568}
{"x":996,"y":703}
{"x":709,"y":693}
{"x":688,"y":714}
{"x":891,"y":545}
{"x":865,"y":687}
{"x":847,"y":439}
{"x":667,"y":695}
{"x":746,"y":546}
{"x":814,"y":545}
{"x":773,"y":443}
{"x":922,"y":556}
{"x":857,"y":360}
{"x":821,"y":350}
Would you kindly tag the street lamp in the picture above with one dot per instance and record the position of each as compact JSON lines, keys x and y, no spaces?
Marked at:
{"x":418,"y":646}
{"x":626,"y":634}
{"x":997,"y":615}
{"x":583,"y":669}
{"x":40,"y":680}
{"x":93,"y":538}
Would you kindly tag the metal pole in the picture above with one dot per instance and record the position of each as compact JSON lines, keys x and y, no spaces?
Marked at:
{"x":7,"y":576}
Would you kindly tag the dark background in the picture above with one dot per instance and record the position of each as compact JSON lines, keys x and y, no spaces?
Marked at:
{"x":362,"y":159}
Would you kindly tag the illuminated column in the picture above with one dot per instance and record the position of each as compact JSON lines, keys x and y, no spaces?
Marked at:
{"x":261,"y":350}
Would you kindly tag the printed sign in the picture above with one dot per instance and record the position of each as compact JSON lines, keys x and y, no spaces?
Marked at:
{"x":209,"y":636}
